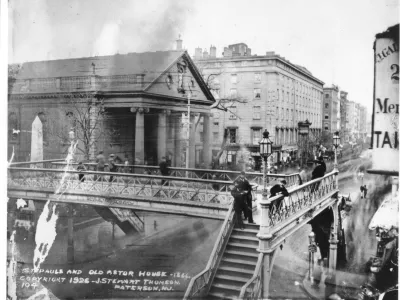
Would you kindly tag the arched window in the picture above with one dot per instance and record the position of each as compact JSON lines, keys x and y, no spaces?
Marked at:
{"x":45,"y":132}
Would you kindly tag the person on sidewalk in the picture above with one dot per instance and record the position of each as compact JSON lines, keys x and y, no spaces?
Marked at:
{"x":245,"y":186}
{"x":279,"y":189}
{"x":303,"y":176}
{"x":81,"y":167}
{"x":164,"y":170}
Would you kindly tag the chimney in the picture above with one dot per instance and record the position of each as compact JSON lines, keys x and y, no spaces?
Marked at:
{"x":205,"y":53}
{"x":213,"y":51}
{"x":179,"y":43}
{"x":197,"y":53}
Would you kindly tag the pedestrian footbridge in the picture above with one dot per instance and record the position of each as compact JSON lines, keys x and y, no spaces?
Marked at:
{"x":189,"y":192}
{"x":241,"y":262}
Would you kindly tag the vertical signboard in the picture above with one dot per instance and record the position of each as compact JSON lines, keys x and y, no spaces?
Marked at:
{"x":385,"y":118}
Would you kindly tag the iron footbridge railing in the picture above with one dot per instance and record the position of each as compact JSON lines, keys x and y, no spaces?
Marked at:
{"x":166,"y":187}
{"x":285,"y":215}
{"x":207,"y":174}
{"x":200,"y":284}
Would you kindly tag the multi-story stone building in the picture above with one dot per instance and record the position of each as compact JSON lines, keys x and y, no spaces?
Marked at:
{"x":260,"y":92}
{"x":331,"y":107}
{"x":344,"y":130}
{"x":145,"y":96}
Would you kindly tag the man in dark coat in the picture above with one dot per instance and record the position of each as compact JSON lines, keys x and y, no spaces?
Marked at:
{"x":318,"y":172}
{"x":279,"y":189}
{"x":101,"y":163}
{"x":244,"y":185}
{"x":239,"y":204}
{"x":164,"y":169}
{"x":112,"y":166}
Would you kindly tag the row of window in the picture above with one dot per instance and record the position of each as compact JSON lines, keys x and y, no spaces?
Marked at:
{"x":281,"y":136}
{"x":257,"y":78}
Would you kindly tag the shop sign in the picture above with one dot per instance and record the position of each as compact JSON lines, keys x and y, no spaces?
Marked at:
{"x":385,"y":118}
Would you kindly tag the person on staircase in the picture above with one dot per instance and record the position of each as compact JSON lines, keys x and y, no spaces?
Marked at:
{"x":245,"y":186}
{"x":239,"y":204}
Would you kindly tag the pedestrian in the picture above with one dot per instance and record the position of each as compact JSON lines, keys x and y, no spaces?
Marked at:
{"x":112,"y":167}
{"x":279,"y":189}
{"x":365,"y":191}
{"x":318,"y":172}
{"x":239,"y":204}
{"x":126,"y":168}
{"x":244,"y":185}
{"x":362,"y":191}
{"x":81,"y":167}
{"x":101,"y":162}
{"x":164,"y":170}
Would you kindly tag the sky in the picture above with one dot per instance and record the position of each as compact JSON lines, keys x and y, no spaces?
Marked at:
{"x":332,"y":39}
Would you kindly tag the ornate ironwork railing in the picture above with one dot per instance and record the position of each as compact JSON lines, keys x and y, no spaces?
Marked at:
{"x":253,"y":288}
{"x":208,"y":174}
{"x":200,"y":284}
{"x":300,"y":198}
{"x":161,"y":187}
{"x":47,"y":164}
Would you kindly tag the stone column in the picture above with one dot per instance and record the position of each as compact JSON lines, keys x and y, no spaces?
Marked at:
{"x":333,"y":241}
{"x":265,"y":236}
{"x":139,"y":135}
{"x":162,"y":134}
{"x":93,"y":114}
{"x":206,"y":143}
{"x":192,"y":142}
{"x":177,"y":140}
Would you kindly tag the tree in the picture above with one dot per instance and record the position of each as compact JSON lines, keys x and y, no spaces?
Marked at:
{"x":85,"y":115}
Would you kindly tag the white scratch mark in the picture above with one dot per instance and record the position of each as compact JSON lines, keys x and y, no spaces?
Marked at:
{"x":12,"y":272}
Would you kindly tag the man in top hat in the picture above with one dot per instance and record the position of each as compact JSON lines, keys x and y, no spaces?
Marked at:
{"x":244,"y":185}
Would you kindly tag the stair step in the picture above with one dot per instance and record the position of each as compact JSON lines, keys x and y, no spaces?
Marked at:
{"x":250,"y":230}
{"x":216,"y":295}
{"x":238,"y":261}
{"x":232,"y":271}
{"x":252,"y":226}
{"x":246,"y":238}
{"x":233,"y":252}
{"x":238,"y":279}
{"x":226,"y":286}
{"x":242,"y":247}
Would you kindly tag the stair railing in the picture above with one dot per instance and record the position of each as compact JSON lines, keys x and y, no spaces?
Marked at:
{"x":253,"y":288}
{"x":200,"y":284}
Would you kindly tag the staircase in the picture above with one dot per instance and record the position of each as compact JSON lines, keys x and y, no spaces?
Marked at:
{"x":238,"y":263}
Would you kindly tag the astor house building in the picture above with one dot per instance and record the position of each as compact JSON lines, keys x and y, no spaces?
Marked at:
{"x":267,"y":92}
{"x":144,"y":96}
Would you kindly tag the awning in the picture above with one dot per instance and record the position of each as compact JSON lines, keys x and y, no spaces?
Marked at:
{"x":387,"y":215}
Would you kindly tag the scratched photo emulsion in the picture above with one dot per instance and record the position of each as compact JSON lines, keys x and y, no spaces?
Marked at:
{"x":171,"y":149}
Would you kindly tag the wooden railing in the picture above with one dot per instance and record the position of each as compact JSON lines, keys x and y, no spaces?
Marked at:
{"x":200,"y":284}
{"x":253,"y":288}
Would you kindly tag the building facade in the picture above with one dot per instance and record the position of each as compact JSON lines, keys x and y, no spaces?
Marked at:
{"x":145,"y":96}
{"x":344,"y":130}
{"x":260,"y":92}
{"x":331,"y":109}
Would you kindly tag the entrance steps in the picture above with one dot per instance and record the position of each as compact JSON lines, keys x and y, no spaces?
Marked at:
{"x":237,"y":264}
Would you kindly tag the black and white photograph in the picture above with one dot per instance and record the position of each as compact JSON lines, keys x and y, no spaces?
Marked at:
{"x":199,"y":149}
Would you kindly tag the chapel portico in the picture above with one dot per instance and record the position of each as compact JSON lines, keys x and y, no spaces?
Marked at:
{"x":145,"y":96}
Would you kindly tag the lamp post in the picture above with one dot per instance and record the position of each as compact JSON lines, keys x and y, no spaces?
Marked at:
{"x":265,"y":152}
{"x":336,"y":143}
{"x":304,"y":128}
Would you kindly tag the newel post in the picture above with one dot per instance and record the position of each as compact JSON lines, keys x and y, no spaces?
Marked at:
{"x":264,"y":246}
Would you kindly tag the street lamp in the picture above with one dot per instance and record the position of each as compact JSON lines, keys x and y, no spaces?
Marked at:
{"x":336,"y":143}
{"x":304,"y":128}
{"x":265,"y":151}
